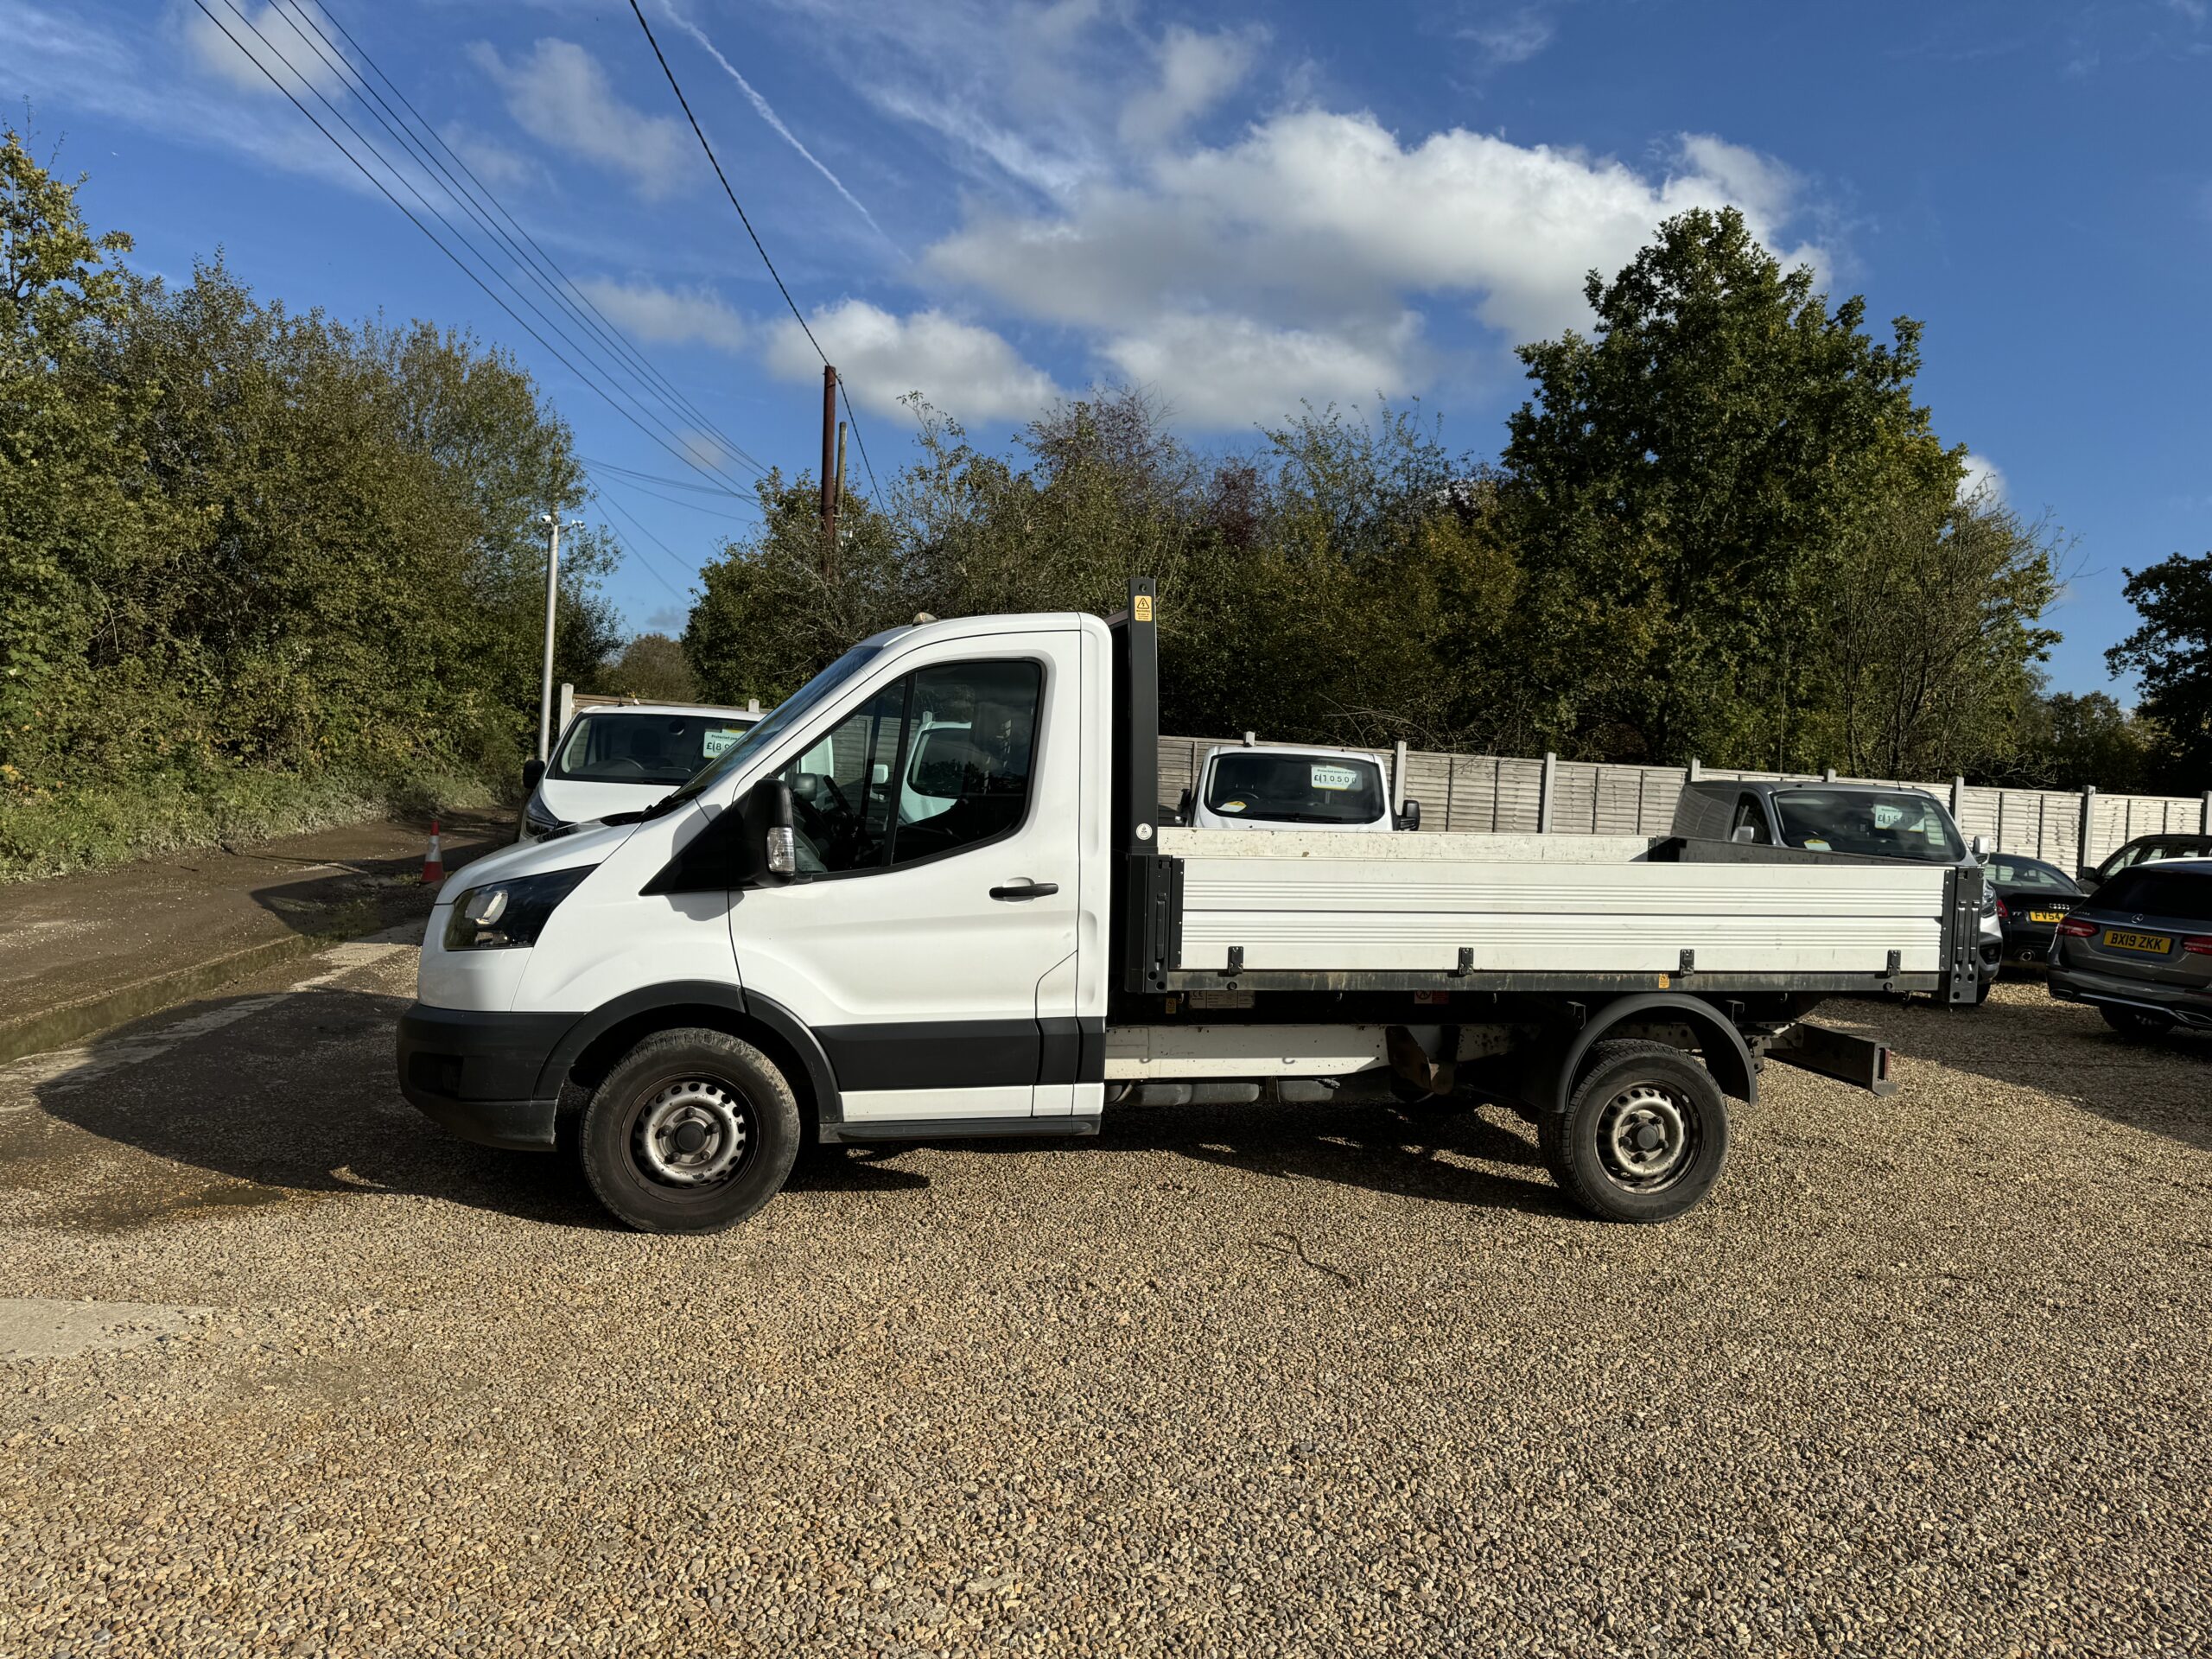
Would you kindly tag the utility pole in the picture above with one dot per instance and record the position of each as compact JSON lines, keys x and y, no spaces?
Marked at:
{"x":554,"y":526}
{"x":832,"y":471}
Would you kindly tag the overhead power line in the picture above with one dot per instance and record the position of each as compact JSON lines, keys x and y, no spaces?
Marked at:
{"x":569,"y":293}
{"x":587,"y":379}
{"x":699,"y":133}
{"x":672,"y":483}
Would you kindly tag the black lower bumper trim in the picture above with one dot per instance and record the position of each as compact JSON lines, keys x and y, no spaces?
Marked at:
{"x":475,"y":1072}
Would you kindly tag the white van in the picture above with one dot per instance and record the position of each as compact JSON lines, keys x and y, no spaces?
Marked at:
{"x":622,"y":758}
{"x":1281,"y":786}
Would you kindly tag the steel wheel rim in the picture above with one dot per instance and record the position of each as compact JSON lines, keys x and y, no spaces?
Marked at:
{"x":692,"y":1133}
{"x":1649,"y":1136}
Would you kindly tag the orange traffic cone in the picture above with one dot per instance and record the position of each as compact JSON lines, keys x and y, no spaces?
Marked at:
{"x":434,"y":862}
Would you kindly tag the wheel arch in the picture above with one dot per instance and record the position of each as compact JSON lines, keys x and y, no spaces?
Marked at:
{"x":1722,"y":1048}
{"x":595,"y":1044}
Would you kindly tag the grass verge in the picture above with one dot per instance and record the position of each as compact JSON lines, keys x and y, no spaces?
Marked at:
{"x":87,"y":827}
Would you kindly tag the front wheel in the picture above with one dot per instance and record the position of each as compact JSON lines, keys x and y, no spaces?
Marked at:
{"x":1644,"y":1137}
{"x":691,"y":1132}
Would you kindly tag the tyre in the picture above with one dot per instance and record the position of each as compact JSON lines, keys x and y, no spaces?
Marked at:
{"x":691,"y":1132}
{"x":2139,"y":1023}
{"x":1644,"y":1137}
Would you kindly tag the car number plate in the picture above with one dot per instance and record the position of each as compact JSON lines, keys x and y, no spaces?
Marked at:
{"x":2153,"y":943}
{"x":2046,"y":915}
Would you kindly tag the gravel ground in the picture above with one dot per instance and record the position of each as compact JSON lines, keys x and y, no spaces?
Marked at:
{"x":1928,"y":1376}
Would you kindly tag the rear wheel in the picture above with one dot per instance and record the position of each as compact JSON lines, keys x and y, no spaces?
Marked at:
{"x":1644,"y":1137}
{"x":692,"y":1133}
{"x":2135,"y":1022}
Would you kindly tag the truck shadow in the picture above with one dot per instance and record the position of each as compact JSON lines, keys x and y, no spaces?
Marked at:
{"x":1414,"y":1153}
{"x":252,"y":1099}
{"x":2024,"y":1038}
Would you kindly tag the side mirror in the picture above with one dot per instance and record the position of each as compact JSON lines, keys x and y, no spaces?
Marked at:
{"x":1409,"y":815}
{"x":1744,"y":835}
{"x":1183,"y":806}
{"x":767,"y":849}
{"x":531,"y":772}
{"x":879,"y":774}
{"x":2086,"y":879}
{"x":1983,"y":847}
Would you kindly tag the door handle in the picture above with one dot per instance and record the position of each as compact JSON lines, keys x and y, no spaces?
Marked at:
{"x":1027,"y":890}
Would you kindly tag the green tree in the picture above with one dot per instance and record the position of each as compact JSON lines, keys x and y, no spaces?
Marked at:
{"x":1684,"y":484}
{"x":654,"y":669}
{"x":252,"y":555}
{"x":2072,"y":742}
{"x":2171,"y":651}
{"x":69,"y":518}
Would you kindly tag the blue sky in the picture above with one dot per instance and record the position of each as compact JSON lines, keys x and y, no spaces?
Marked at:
{"x":1236,"y":207}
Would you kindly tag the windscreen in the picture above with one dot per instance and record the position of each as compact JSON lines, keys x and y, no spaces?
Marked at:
{"x":2153,"y":892}
{"x":2030,"y":872}
{"x":636,"y":746}
{"x":785,"y":715}
{"x":1868,"y":824}
{"x":1295,"y":788}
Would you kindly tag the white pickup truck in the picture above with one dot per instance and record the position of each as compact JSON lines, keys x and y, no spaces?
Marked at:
{"x":685,"y":994}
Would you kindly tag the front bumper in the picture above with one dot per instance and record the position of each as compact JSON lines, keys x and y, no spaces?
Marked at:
{"x":2181,"y":1003}
{"x":479,"y":1073}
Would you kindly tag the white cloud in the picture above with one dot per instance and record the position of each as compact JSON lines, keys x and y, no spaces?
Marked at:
{"x":1196,"y":73}
{"x":1220,"y":371}
{"x":1513,"y":37}
{"x":669,"y":316}
{"x":1306,"y":248}
{"x":966,"y":370}
{"x":1983,"y":477}
{"x":559,"y":95}
{"x":270,"y":40}
{"x":499,"y":167}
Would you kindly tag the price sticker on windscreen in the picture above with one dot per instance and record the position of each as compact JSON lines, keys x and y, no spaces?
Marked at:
{"x":1335,"y":778}
{"x":716,"y":742}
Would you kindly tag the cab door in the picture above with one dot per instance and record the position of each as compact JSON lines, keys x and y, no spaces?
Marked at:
{"x":929,"y":940}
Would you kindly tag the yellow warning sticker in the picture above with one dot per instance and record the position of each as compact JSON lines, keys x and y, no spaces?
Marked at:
{"x":1144,"y":607}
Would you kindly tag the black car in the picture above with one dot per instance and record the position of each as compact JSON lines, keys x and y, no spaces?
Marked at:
{"x":2032,"y":898}
{"x":2143,"y":849}
{"x":2140,"y":948}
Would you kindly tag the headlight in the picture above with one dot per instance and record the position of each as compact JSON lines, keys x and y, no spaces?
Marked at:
{"x":538,"y":822}
{"x":505,"y":915}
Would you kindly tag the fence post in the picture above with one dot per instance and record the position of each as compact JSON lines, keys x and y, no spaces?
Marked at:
{"x":2089,"y":810}
{"x":1959,"y":799}
{"x":1397,"y":777}
{"x":567,"y":708}
{"x":1544,"y":782}
{"x":1697,"y":771}
{"x":2204,"y":815}
{"x":1827,"y":774}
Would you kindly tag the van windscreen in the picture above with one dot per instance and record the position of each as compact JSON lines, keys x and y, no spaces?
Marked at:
{"x":1295,"y":788}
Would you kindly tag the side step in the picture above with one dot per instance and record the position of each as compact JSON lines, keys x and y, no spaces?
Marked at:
{"x":954,"y":1128}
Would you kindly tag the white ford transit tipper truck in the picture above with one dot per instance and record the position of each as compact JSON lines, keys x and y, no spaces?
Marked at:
{"x":686,"y":993}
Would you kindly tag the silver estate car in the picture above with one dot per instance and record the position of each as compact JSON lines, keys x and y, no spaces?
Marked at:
{"x":2140,"y":948}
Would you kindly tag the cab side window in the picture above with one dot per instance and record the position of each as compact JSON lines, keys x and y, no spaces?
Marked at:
{"x":1749,"y":814}
{"x":935,"y":762}
{"x":969,"y":781}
